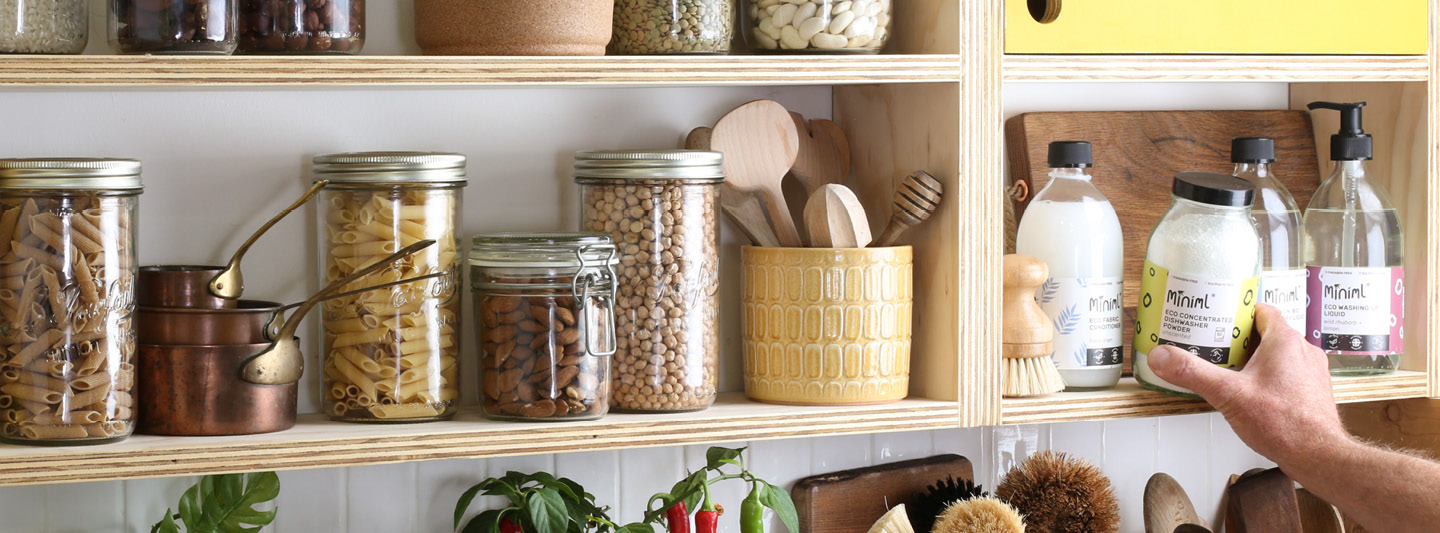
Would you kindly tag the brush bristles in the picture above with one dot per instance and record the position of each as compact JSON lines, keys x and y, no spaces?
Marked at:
{"x":980,"y":515}
{"x":1059,"y":493}
{"x":1031,"y":376}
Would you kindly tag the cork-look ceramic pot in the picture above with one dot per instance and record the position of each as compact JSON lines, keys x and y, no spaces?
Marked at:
{"x":514,"y":27}
{"x":827,"y":326}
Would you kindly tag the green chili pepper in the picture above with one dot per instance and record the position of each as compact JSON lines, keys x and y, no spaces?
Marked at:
{"x":752,"y":512}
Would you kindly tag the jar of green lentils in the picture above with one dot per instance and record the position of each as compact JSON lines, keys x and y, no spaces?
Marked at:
{"x":672,"y":27}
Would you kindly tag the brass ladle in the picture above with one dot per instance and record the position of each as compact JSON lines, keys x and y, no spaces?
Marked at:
{"x":229,"y":283}
{"x":277,"y":318}
{"x":282,"y":362}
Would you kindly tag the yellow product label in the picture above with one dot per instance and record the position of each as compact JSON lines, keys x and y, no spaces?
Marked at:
{"x":1211,"y":318}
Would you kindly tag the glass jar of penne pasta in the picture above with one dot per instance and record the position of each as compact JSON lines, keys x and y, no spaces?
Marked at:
{"x":67,"y":298}
{"x":660,"y":207}
{"x":390,"y":355}
{"x":544,"y":311}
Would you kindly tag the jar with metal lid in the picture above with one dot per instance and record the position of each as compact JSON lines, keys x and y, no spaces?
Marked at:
{"x":390,"y":355}
{"x":301,"y":26}
{"x":545,"y":317}
{"x":67,"y":299}
{"x":43,"y":26}
{"x":661,"y":209}
{"x":673,"y":27}
{"x":173,"y":26}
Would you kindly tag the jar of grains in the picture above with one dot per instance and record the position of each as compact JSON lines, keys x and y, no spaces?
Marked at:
{"x":43,"y":26}
{"x":673,"y":27}
{"x":660,"y":207}
{"x":301,"y":26}
{"x":545,"y":316}
{"x":173,"y":26}
{"x":67,"y":298}
{"x":390,"y":355}
{"x":810,"y":26}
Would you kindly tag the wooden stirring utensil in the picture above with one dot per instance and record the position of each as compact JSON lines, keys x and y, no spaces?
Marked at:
{"x":835,"y":218}
{"x":760,"y":145}
{"x":917,"y":196}
{"x":824,"y":155}
{"x":744,"y":209}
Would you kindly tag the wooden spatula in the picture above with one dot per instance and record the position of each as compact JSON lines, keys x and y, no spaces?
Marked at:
{"x":1263,"y":503}
{"x":917,"y":196}
{"x":1166,"y":505}
{"x":743,"y":208}
{"x":824,"y":155}
{"x":836,"y":219}
{"x":760,"y":144}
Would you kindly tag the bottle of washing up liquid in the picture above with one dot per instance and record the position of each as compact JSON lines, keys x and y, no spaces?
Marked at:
{"x":1073,"y":228}
{"x":1277,"y":219}
{"x":1354,"y":253}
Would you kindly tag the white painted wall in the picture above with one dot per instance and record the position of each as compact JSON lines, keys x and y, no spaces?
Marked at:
{"x":218,"y":163}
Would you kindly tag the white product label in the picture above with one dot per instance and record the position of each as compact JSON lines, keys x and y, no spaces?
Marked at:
{"x":1199,"y":314}
{"x":1285,"y":289}
{"x":1358,"y":309}
{"x":1088,"y":320}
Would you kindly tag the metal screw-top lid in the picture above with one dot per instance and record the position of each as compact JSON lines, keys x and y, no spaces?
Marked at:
{"x":1252,"y":150}
{"x":688,"y":165}
{"x":391,"y":167}
{"x":1214,"y":189}
{"x":511,"y":250}
{"x":70,"y":173}
{"x":1070,"y":154}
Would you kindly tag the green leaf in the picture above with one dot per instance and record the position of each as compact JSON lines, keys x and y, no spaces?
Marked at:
{"x":717,"y":457}
{"x":635,"y":528}
{"x":464,"y":503}
{"x":486,"y":522}
{"x":166,"y":525}
{"x":547,"y":511}
{"x":778,"y":500}
{"x":226,"y":503}
{"x":190,"y":511}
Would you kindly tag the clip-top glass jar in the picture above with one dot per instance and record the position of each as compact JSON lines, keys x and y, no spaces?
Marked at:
{"x":544,"y":313}
{"x":67,"y":299}
{"x":391,"y":354}
{"x":660,"y":207}
{"x":301,"y":26}
{"x":173,"y":26}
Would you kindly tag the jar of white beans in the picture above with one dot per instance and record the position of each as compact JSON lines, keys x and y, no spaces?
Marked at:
{"x":391,"y":355}
{"x":67,"y":298}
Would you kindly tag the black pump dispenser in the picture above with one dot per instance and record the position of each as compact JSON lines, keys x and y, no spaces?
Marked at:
{"x":1352,"y":143}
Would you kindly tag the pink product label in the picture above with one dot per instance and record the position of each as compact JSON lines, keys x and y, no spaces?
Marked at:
{"x":1356,"y":311}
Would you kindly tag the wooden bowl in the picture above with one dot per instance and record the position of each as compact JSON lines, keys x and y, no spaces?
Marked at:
{"x":827,"y":326}
{"x":514,"y":27}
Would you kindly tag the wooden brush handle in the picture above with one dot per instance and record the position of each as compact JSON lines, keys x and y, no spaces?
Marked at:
{"x":1027,"y":331}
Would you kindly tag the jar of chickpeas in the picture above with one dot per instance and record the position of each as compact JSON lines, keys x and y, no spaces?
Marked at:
{"x":390,"y":355}
{"x":661,"y":209}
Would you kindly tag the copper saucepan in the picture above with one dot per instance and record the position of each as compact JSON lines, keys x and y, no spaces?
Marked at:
{"x":196,"y":390}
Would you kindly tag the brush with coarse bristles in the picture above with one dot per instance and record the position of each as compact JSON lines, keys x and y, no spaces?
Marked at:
{"x":1027,"y":339}
{"x":980,"y":515}
{"x":927,"y":506}
{"x":1060,"y":493}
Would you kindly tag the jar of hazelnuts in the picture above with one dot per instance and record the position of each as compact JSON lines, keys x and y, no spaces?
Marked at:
{"x":301,"y":26}
{"x":545,"y":315}
{"x":661,"y":209}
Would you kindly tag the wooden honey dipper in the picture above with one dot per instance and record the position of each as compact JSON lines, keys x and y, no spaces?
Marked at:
{"x":917,"y":196}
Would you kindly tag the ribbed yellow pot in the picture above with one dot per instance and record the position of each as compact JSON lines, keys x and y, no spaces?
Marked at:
{"x":827,"y":326}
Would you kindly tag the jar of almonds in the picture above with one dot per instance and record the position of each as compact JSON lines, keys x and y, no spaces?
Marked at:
{"x":672,"y":27}
{"x":301,"y":26}
{"x":660,"y":207}
{"x":545,"y":316}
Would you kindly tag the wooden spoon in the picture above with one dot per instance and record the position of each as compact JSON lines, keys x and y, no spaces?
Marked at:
{"x":836,"y":219}
{"x":824,"y":155}
{"x":1263,"y":503}
{"x":743,"y":208}
{"x":917,"y":196}
{"x":1317,"y":515}
{"x":1166,"y":505}
{"x":760,"y":145}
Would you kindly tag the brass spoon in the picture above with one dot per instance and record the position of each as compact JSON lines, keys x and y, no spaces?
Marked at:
{"x":277,"y":319}
{"x":228,"y":284}
{"x":282,"y":362}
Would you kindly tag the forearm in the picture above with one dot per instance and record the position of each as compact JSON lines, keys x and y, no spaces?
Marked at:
{"x":1382,"y":489}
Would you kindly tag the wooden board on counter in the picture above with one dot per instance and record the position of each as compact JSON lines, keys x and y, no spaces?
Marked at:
{"x":852,"y":500}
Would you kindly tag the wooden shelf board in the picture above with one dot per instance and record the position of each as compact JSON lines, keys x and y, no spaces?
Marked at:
{"x":1260,"y":68}
{"x":316,"y":442}
{"x":1129,"y":400}
{"x":122,"y":71}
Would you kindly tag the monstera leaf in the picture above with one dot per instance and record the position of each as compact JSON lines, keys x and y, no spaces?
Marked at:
{"x":224,"y":504}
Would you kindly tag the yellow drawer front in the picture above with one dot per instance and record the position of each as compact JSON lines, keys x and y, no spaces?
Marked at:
{"x":1218,"y":27}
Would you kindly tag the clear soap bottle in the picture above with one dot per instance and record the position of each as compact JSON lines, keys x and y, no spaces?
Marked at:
{"x":1354,"y":253}
{"x":1277,"y":220}
{"x":1073,"y":228}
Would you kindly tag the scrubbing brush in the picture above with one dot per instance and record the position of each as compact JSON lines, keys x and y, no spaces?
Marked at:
{"x":980,"y":515}
{"x":894,"y":521}
{"x":927,"y":506}
{"x":1028,"y":338}
{"x":1059,"y":493}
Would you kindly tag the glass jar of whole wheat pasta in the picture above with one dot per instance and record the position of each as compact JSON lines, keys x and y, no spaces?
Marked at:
{"x":391,"y":355}
{"x":67,"y":298}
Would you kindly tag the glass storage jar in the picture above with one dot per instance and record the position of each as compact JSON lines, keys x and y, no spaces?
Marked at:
{"x":173,"y":26}
{"x":545,"y":317}
{"x":390,"y":355}
{"x":811,"y":26}
{"x":660,"y":207}
{"x":301,"y":26}
{"x":672,"y":27}
{"x":67,"y":298}
{"x":43,"y":26}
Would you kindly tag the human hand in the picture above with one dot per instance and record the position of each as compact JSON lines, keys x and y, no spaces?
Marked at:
{"x":1281,"y":404}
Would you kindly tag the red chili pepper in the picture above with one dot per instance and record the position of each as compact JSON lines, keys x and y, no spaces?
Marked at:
{"x":507,"y":526}
{"x":678,"y":518}
{"x":707,"y":519}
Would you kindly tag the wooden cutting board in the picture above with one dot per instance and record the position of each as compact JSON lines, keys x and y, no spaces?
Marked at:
{"x":850,"y":501}
{"x":1137,"y":154}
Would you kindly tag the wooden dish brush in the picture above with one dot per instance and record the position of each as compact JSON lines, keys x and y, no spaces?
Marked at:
{"x":980,"y":515}
{"x":1060,"y":493}
{"x":1028,"y":339}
